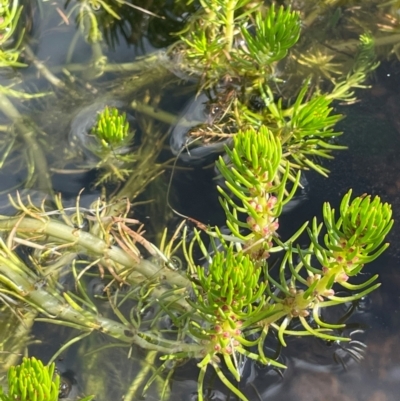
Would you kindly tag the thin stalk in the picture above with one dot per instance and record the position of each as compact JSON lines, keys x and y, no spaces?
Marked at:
{"x":350,"y":45}
{"x":12,"y":348}
{"x":99,"y":61}
{"x":140,"y":380}
{"x":28,"y":134}
{"x":71,"y":50}
{"x":66,"y":311}
{"x":43,"y":69}
{"x":157,"y":114}
{"x":230,"y":25}
{"x":142,"y":64}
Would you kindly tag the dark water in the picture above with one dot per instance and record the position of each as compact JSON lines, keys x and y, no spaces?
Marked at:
{"x":371,"y":165}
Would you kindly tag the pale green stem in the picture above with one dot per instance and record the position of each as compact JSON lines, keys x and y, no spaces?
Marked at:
{"x":351,"y":45}
{"x":71,"y":49}
{"x":93,"y":245}
{"x":230,"y":24}
{"x":323,"y":281}
{"x":151,"y":112}
{"x":278,"y":311}
{"x":210,"y":17}
{"x":17,"y":335}
{"x":28,"y":134}
{"x":142,"y":64}
{"x":139,"y":381}
{"x":146,"y":170}
{"x":97,"y":52}
{"x":61,"y":310}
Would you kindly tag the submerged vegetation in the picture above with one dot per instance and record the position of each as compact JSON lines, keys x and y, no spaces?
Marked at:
{"x":258,"y":92}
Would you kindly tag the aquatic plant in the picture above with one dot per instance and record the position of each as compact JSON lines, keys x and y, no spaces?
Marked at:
{"x":238,"y":294}
{"x":31,"y":381}
{"x":113,"y":146}
{"x":269,"y":124}
{"x":10,"y":12}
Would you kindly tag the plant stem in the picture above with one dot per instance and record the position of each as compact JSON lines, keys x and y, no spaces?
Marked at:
{"x":157,"y":114}
{"x":142,"y":64}
{"x":15,"y":334}
{"x":230,"y":24}
{"x":351,"y":45}
{"x":28,"y":134}
{"x":93,"y":245}
{"x":43,"y":69}
{"x":62,"y":311}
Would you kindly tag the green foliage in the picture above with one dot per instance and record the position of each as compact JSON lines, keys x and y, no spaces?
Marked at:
{"x":360,"y":230}
{"x":274,"y":35}
{"x":241,"y":51}
{"x":112,"y":129}
{"x":304,"y":128}
{"x":352,"y":240}
{"x":365,"y":63}
{"x":235,"y":294}
{"x":31,"y":381}
{"x":228,"y":290}
{"x":252,"y":174}
{"x":10,"y":12}
{"x":230,"y":298}
{"x":312,"y":118}
{"x":307,"y":130}
{"x":249,"y":59}
{"x":245,"y":61}
{"x":113,"y":146}
{"x":238,"y":53}
{"x":239,"y":295}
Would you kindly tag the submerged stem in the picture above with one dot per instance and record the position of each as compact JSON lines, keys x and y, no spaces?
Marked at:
{"x":28,"y":134}
{"x":230,"y":24}
{"x":93,"y":245}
